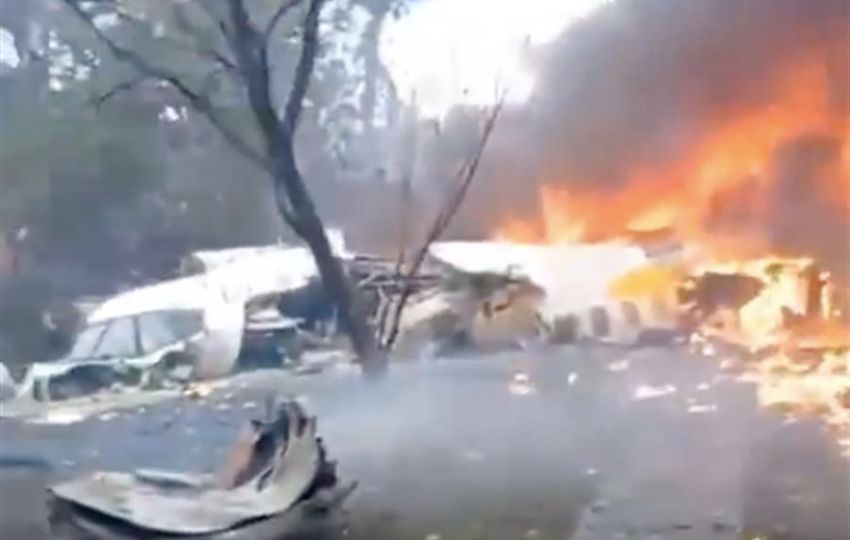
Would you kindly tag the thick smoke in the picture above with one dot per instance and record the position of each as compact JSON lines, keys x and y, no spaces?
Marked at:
{"x":637,"y":85}
{"x":643,"y":79}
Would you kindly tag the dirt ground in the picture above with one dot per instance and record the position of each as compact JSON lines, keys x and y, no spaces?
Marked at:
{"x":579,"y":442}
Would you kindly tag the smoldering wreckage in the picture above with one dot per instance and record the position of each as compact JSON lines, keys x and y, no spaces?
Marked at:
{"x":252,"y":307}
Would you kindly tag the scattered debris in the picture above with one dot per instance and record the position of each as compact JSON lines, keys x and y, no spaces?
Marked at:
{"x":60,"y":418}
{"x":618,"y":366}
{"x":699,"y":408}
{"x":725,"y":365}
{"x":75,"y":410}
{"x":198,"y":391}
{"x":521,"y":385}
{"x":651,"y":392}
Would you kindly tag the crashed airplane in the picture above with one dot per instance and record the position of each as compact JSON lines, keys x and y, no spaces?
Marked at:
{"x":189,"y":328}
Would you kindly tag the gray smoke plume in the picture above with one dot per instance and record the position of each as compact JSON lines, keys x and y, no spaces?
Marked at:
{"x":640,"y":82}
{"x":642,"y":79}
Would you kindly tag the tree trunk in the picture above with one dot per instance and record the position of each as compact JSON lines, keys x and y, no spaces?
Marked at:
{"x":292,"y":198}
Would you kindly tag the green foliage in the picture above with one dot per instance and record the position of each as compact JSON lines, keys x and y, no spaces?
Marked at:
{"x":64,"y":166}
{"x":93,"y":182}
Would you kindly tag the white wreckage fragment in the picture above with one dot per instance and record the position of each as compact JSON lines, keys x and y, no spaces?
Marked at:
{"x":190,"y":327}
{"x":7,"y":384}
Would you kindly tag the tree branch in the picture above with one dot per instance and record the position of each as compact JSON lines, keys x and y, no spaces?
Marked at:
{"x":198,"y":101}
{"x":252,"y":54}
{"x":304,"y":68}
{"x":253,"y":63}
{"x":282,"y":10}
{"x":252,"y":58}
{"x":441,"y":222}
{"x":205,"y":52}
{"x":454,"y":201}
{"x":185,"y":24}
{"x":206,"y":7}
{"x":98,"y":101}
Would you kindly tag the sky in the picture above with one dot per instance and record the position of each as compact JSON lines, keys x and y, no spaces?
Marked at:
{"x":446,"y":52}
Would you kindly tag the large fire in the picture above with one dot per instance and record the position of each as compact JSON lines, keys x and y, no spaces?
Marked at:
{"x":777,"y":316}
{"x":717,"y":195}
{"x":724,"y":176}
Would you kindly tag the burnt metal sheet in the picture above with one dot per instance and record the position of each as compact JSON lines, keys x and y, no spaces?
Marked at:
{"x":184,"y":505}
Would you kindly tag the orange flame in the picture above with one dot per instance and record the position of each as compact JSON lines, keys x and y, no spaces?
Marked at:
{"x":728,"y":172}
{"x":717,"y":195}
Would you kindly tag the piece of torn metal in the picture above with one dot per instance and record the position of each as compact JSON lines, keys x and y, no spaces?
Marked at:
{"x":645,"y":391}
{"x":276,"y":473}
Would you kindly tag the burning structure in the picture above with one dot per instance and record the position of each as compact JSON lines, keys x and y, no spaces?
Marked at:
{"x":727,"y":128}
{"x":721,"y":127}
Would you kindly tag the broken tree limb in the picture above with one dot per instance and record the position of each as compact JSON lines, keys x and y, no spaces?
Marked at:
{"x":282,"y":10}
{"x":183,"y":21}
{"x":304,"y":69}
{"x":99,"y":100}
{"x":404,"y":223}
{"x":196,"y":100}
{"x":441,"y":222}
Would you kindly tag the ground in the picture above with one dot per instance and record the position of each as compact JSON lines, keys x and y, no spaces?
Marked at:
{"x":576,"y":442}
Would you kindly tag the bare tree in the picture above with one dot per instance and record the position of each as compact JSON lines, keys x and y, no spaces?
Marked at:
{"x":389,"y":320}
{"x":247,"y":63}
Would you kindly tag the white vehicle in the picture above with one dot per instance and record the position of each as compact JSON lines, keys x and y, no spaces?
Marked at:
{"x":124,"y":350}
